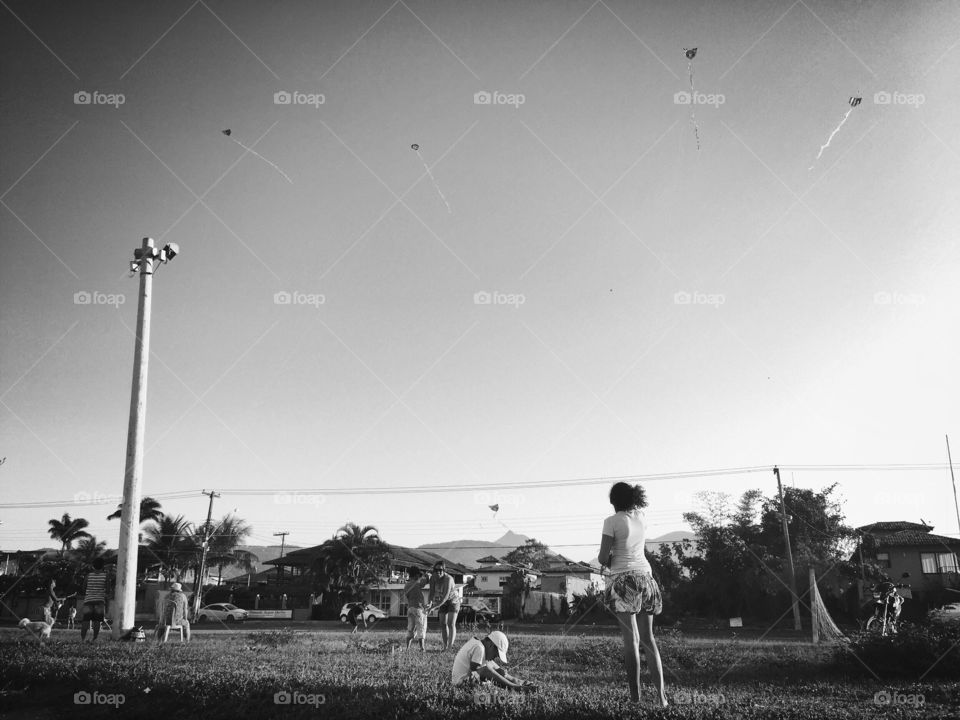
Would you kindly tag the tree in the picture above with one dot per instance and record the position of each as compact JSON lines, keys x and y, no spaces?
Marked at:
{"x":149,"y":511}
{"x":819,"y":536}
{"x":169,"y":541}
{"x":223,"y":550}
{"x":66,"y":530}
{"x":532,"y":554}
{"x":88,"y":550}
{"x":351,"y":561}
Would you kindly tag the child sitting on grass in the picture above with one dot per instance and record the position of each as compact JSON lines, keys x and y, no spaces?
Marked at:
{"x":480,"y":660}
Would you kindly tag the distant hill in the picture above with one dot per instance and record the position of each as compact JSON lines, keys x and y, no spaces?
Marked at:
{"x":467,"y":552}
{"x":263,"y":553}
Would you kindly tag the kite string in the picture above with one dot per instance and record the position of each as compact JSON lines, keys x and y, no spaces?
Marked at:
{"x":254,"y":152}
{"x":835,"y":131}
{"x":433,"y":180}
{"x":693,"y":116}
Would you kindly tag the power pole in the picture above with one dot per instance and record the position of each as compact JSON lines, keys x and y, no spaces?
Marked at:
{"x":786,"y":539}
{"x":203,"y":555}
{"x":954,"y":481}
{"x":145,"y":259}
{"x":283,"y":544}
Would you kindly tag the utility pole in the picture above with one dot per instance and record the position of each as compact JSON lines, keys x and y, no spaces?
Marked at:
{"x":786,"y":539}
{"x":283,"y":544}
{"x":145,"y":259}
{"x":203,"y":555}
{"x":954,"y":481}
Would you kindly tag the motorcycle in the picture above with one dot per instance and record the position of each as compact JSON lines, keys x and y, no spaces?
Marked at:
{"x":887,"y":603}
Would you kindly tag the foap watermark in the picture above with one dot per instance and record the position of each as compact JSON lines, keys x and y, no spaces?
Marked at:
{"x":695,"y":697}
{"x":96,"y":498}
{"x":892,"y":697}
{"x":299,"y":98}
{"x":498,"y":98}
{"x":83,"y":97}
{"x":299,"y":499}
{"x":486,"y":498}
{"x":498,"y":298}
{"x":898,"y":98}
{"x":286,"y":697}
{"x":685,"y":97}
{"x":98,"y":698}
{"x":83,"y":297}
{"x":298,"y":298}
{"x":884,"y":297}
{"x":493,"y":698}
{"x":698,"y":298}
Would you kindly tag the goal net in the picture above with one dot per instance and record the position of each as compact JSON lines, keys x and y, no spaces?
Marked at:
{"x":823,"y":626}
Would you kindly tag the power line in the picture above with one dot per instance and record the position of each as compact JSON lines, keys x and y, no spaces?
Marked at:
{"x":495,"y":487}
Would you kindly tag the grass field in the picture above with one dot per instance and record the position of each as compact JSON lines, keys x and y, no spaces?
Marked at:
{"x":329,"y":674}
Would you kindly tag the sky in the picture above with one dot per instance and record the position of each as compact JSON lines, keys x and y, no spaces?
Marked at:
{"x":578,"y":291}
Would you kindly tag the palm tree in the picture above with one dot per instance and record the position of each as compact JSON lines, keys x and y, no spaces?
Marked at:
{"x":169,"y":541}
{"x":349,"y":562}
{"x":88,"y":550}
{"x":149,"y":510}
{"x":66,"y":530}
{"x":223,"y":550}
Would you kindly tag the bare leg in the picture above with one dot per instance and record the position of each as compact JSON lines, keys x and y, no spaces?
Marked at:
{"x":631,"y":651}
{"x":452,"y":626}
{"x":653,"y":655}
{"x":443,"y":629}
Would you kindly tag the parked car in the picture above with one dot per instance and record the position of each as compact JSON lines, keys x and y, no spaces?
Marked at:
{"x":951,"y":609}
{"x":370,"y":612}
{"x":225,"y":612}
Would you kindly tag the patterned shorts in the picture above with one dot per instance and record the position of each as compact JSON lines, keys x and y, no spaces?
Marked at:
{"x":634,"y":592}
{"x":416,"y":623}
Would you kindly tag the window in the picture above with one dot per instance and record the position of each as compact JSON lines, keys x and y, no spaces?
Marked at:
{"x":935,"y":563}
{"x":380,"y":599}
{"x":883,"y":559}
{"x":483,"y":578}
{"x":947,"y":562}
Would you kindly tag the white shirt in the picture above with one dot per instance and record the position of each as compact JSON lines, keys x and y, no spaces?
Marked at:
{"x":472,"y":651}
{"x":629,"y":533}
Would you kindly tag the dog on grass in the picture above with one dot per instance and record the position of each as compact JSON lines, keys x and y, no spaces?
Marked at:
{"x":40,"y":629}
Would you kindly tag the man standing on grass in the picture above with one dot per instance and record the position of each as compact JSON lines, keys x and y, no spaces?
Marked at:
{"x":94,"y":601}
{"x":443,"y":596}
{"x":417,"y":608}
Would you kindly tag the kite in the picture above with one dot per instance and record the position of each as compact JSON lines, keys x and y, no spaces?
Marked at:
{"x":228,"y":132}
{"x":416,"y":148}
{"x":691,"y":53}
{"x":852,"y":102}
{"x":495,"y":508}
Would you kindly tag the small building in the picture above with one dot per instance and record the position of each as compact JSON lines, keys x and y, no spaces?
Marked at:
{"x":900,"y":546}
{"x":571,"y":578}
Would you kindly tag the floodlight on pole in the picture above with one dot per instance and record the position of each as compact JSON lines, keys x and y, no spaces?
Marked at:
{"x":124,"y":608}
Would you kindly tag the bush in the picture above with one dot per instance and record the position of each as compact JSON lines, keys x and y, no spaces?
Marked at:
{"x":914,"y":651}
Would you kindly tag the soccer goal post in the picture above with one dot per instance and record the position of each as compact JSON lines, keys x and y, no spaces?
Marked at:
{"x":824,"y":629}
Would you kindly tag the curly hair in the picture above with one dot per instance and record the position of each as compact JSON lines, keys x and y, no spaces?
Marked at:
{"x":627,"y":497}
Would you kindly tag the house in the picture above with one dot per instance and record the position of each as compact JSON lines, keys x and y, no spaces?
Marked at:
{"x":899,"y":547}
{"x":571,"y":578}
{"x":387,"y":594}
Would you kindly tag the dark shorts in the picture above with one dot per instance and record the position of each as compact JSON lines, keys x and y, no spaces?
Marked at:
{"x":634,"y":592}
{"x":449,"y":606}
{"x":94,"y":611}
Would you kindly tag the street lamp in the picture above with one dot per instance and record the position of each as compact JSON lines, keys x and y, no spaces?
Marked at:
{"x":145,"y":259}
